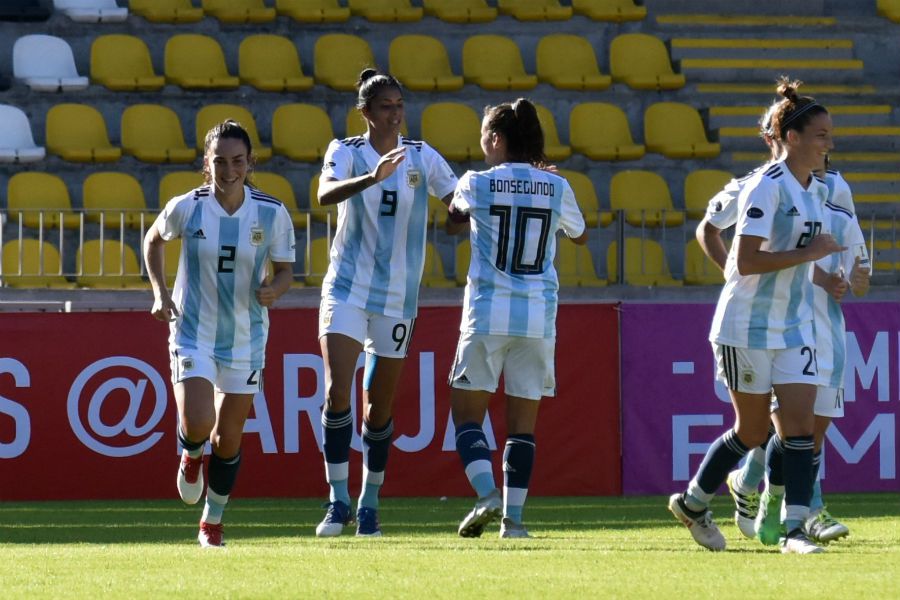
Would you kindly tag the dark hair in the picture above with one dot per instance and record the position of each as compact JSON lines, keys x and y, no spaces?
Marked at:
{"x":370,"y":84}
{"x":794,"y":111}
{"x":227,"y":129}
{"x":518,"y":123}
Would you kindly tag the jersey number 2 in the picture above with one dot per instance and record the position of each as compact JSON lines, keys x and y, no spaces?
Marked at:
{"x":520,"y":240}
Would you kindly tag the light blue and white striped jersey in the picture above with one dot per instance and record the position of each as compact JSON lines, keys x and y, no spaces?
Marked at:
{"x":772,"y":310}
{"x":516,"y":211}
{"x":223,"y":262}
{"x":378,"y":251}
{"x":830,"y":327}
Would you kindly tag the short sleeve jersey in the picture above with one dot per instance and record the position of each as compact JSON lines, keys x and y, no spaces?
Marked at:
{"x":722,"y":210}
{"x":516,"y":211}
{"x":378,"y":252}
{"x":772,"y":310}
{"x":224,"y":260}
{"x":830,"y":326}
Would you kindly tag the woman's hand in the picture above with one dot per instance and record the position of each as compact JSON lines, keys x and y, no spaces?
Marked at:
{"x":164,"y":308}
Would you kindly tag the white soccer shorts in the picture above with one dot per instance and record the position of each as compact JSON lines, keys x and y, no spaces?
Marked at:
{"x":527,"y":365}
{"x":187,"y":363}
{"x":379,"y":334}
{"x":755,"y":371}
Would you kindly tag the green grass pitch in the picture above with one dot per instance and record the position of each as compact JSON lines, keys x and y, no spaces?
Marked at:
{"x":582,"y":548}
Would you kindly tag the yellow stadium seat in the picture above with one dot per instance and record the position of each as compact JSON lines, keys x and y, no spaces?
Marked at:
{"x":463,"y":258}
{"x":152,"y":133}
{"x":317,"y":262}
{"x":239,"y":11}
{"x":645,"y":264}
{"x":108,"y":264}
{"x":568,"y":62}
{"x":385,"y":11}
{"x":317,"y":212}
{"x":645,"y":198}
{"x":676,"y":130}
{"x":586,"y":195}
{"x":122,"y":63}
{"x":313,"y":11}
{"x":575,"y":265}
{"x":39,"y":266}
{"x":178,"y":183}
{"x":494,"y":62}
{"x":642,"y":62}
{"x":699,"y":188}
{"x":437,"y":211}
{"x":77,"y":132}
{"x":355,"y":124}
{"x":196,"y":62}
{"x":172,"y":250}
{"x":279,"y":187}
{"x":553,"y":148}
{"x":460,"y":11}
{"x":600,"y":131}
{"x":698,"y":268}
{"x":40,"y":200}
{"x":535,"y":10}
{"x":421,"y":63}
{"x":609,"y":10}
{"x":889,"y":9}
{"x":271,"y":63}
{"x":301,"y":132}
{"x":433,"y":270}
{"x":338,"y":59}
{"x":166,"y":11}
{"x":117,"y":199}
{"x":453,"y":129}
{"x":211,"y":115}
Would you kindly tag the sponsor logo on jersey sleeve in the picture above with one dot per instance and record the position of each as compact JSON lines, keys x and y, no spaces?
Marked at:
{"x":754,"y":212}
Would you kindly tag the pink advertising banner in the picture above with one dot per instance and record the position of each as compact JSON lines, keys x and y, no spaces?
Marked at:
{"x":672,"y":408}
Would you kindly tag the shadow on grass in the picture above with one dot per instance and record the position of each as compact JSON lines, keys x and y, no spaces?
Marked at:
{"x":168,"y":522}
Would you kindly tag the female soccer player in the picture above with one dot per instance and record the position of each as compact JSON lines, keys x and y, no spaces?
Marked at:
{"x":217,"y":315}
{"x":380,"y":182}
{"x":509,"y":315}
{"x":762,"y":332}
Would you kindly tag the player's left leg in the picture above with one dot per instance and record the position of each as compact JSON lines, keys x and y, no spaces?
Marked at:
{"x":821,"y":526}
{"x":379,"y":386}
{"x":231,"y":414}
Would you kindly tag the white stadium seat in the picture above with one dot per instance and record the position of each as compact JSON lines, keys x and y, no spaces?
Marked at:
{"x":16,"y":141}
{"x":92,"y":11}
{"x":46,"y":64}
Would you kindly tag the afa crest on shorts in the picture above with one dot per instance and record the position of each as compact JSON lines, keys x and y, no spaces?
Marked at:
{"x":257,"y":236}
{"x":413,"y":177}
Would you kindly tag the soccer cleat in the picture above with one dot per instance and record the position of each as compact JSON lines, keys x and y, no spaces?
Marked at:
{"x":210,"y":535}
{"x":487,"y":509}
{"x":822,"y":527}
{"x":367,"y":522}
{"x":337,"y":515}
{"x":700,"y":524}
{"x":511,"y":529}
{"x":190,"y":478}
{"x":768,"y":520}
{"x":746,"y":505}
{"x":796,"y":542}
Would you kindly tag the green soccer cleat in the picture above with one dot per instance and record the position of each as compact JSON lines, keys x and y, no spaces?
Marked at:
{"x":768,"y":520}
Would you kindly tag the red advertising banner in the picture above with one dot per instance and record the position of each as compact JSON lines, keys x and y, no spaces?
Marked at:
{"x":86,"y":410}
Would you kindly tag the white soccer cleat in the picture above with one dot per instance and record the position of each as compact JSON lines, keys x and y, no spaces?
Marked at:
{"x":822,"y":527}
{"x":746,"y":507}
{"x":702,"y":527}
{"x":336,"y":518}
{"x":487,"y":509}
{"x":796,"y":542}
{"x":190,"y":478}
{"x":511,"y":529}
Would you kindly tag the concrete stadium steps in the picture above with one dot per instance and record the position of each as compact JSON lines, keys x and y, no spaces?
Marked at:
{"x":762,"y":49}
{"x":745,"y":20}
{"x":724,"y":70}
{"x":843,"y":161}
{"x":768,"y":89}
{"x":874,"y":188}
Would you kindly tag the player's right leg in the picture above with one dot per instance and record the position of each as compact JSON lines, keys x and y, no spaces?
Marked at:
{"x":821,"y":526}
{"x":192,"y":381}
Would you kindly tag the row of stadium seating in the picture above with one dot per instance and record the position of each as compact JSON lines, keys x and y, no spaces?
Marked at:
{"x":153,"y":133}
{"x":319,"y":11}
{"x":272,"y":63}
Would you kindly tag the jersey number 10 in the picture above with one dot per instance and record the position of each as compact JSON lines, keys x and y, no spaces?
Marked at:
{"x":535,"y":246}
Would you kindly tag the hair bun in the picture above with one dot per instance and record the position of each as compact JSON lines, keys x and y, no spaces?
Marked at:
{"x":366,"y":73}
